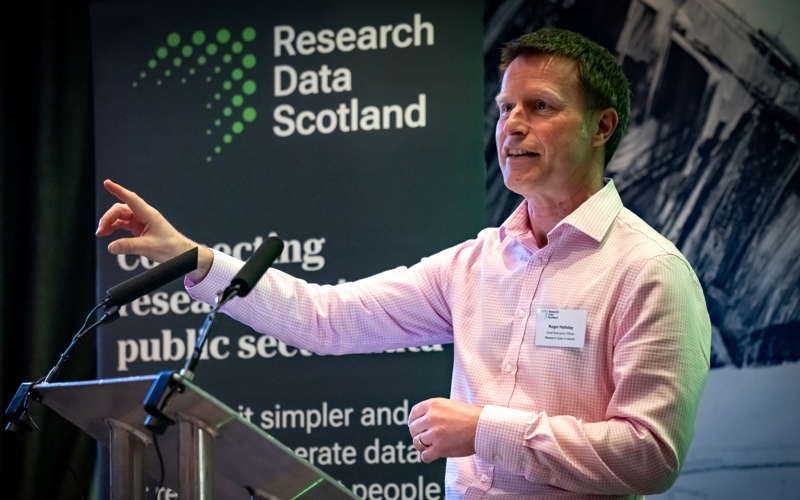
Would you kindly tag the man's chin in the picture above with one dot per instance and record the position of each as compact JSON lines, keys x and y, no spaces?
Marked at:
{"x":522,"y":185}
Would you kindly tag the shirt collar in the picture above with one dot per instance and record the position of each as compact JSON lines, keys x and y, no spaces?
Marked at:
{"x":593,"y":217}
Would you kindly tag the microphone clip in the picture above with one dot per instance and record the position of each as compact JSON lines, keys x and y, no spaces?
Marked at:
{"x":18,"y":408}
{"x":155,"y":403}
{"x":233,"y":290}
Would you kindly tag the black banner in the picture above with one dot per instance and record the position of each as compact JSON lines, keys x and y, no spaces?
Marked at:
{"x":354,"y":132}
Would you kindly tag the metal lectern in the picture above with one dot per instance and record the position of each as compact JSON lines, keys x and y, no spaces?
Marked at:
{"x":210,"y":452}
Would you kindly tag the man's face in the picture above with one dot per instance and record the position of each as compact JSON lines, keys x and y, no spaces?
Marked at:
{"x":543,"y":137}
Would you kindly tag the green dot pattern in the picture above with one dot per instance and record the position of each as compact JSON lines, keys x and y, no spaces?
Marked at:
{"x":199,"y":49}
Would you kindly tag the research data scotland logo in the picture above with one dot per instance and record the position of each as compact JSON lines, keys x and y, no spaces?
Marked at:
{"x":219,"y":61}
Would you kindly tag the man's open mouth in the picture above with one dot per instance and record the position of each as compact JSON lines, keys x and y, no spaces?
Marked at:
{"x":520,"y":152}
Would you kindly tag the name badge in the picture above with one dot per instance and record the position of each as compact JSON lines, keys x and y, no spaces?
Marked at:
{"x":560,"y":328}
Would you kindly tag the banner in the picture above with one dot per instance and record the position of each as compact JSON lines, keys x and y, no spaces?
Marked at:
{"x":351,"y":130}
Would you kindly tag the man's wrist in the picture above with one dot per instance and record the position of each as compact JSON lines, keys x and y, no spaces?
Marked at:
{"x":205,"y":259}
{"x":500,"y":434}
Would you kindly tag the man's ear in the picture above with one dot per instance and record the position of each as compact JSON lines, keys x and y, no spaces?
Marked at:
{"x":607,"y":121}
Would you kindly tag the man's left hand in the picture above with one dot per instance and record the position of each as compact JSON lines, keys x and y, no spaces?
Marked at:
{"x":443,"y":428}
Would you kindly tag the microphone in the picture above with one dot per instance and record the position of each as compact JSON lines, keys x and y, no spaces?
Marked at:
{"x":153,"y":279}
{"x":241,"y":284}
{"x":254,"y":268}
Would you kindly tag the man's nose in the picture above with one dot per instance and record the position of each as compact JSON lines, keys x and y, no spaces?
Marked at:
{"x":515,"y":123}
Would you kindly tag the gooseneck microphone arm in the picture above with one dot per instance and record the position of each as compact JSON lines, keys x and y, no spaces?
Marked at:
{"x":117,"y":297}
{"x":130,"y":290}
{"x":17,"y":410}
{"x":111,"y":313}
{"x":168,"y":383}
{"x":241,"y":284}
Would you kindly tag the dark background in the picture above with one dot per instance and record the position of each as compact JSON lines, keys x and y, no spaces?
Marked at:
{"x":47,"y":257}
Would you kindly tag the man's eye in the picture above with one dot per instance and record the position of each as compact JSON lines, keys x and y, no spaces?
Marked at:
{"x":541,"y":105}
{"x":506,"y":107}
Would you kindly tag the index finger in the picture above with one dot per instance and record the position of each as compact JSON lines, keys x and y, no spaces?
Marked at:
{"x":137,"y":205}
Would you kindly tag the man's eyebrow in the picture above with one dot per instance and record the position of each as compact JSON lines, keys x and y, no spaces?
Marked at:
{"x":501,"y":97}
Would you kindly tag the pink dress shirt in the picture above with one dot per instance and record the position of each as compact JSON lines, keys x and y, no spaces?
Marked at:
{"x":612,"y":418}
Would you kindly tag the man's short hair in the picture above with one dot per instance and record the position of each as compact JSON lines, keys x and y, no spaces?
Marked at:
{"x":600,"y":77}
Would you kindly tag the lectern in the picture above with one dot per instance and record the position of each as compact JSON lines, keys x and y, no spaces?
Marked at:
{"x":210,"y":452}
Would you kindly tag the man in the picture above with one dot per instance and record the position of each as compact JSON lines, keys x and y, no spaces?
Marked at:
{"x":581,"y":336}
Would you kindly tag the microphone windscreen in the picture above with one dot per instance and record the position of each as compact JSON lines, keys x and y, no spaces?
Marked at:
{"x":154,"y":279}
{"x":257,"y":265}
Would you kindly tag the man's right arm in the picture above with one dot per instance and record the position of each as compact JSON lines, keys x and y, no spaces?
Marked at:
{"x":397,"y":308}
{"x":152,"y":235}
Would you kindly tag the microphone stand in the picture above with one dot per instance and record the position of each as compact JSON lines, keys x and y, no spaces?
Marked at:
{"x":169,"y":382}
{"x":118,"y":295}
{"x":17,"y":410}
{"x":111,"y":312}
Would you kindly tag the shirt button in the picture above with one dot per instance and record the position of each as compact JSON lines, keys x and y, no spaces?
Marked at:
{"x":484,"y":478}
{"x":509,"y":368}
{"x":521,"y":313}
